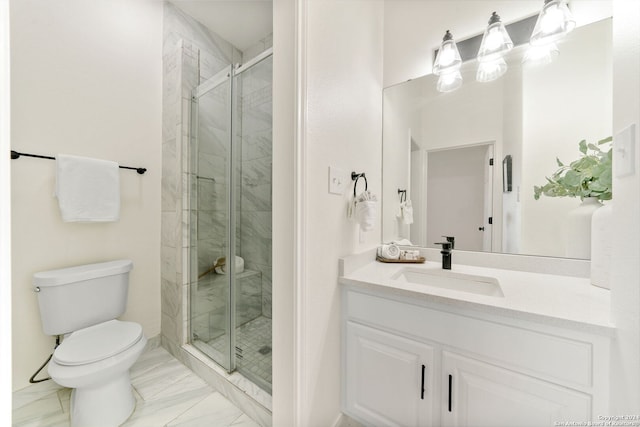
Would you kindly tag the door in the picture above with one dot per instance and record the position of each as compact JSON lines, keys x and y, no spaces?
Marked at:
{"x":212,"y":220}
{"x":389,"y":380}
{"x":477,"y":394}
{"x":458,"y":196}
{"x":487,"y":233}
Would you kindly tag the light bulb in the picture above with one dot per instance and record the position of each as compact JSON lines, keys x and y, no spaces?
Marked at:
{"x":495,"y":41}
{"x":448,"y":58}
{"x":555,"y":21}
{"x":541,"y":54}
{"x":491,"y":70}
{"x":450,"y":81}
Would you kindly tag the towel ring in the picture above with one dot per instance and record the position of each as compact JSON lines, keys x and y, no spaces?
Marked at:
{"x":403,"y":195}
{"x":355,"y":177}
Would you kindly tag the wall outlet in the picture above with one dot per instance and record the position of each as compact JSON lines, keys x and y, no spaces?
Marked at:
{"x":338,"y":180}
{"x":624,"y":152}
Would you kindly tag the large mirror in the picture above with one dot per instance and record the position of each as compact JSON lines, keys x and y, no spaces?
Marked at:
{"x":468,"y":160}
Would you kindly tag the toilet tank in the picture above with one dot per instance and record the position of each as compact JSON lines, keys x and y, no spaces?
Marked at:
{"x":77,"y":297}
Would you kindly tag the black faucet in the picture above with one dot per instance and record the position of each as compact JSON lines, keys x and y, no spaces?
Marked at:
{"x":446,"y":254}
{"x":452,"y":240}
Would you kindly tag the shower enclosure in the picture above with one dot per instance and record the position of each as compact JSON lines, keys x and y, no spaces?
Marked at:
{"x":230,"y":219}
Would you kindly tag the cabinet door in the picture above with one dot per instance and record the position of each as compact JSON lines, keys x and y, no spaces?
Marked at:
{"x":481,"y":394}
{"x":388,"y":379}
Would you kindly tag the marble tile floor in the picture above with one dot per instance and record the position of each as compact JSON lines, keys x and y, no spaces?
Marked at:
{"x":167,"y":394}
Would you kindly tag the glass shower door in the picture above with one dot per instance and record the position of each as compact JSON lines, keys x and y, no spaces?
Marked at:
{"x":253,"y":124}
{"x":230,"y":219}
{"x":212,"y":219}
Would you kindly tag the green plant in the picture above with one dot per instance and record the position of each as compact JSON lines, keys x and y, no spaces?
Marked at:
{"x":589,"y":176}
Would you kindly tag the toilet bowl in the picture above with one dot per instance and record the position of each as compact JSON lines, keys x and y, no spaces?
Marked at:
{"x":83,"y":303}
{"x":95,"y":363}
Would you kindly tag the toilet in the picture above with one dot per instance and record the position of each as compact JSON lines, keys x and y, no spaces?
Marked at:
{"x":83,"y":303}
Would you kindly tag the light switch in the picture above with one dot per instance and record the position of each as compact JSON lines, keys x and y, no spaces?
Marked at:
{"x":624,"y":152}
{"x":338,"y":180}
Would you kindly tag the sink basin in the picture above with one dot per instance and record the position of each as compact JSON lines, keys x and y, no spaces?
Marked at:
{"x":454,"y":281}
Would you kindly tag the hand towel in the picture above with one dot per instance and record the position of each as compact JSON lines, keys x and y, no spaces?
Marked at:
{"x":366,"y":213}
{"x":407,"y":212}
{"x":88,"y":190}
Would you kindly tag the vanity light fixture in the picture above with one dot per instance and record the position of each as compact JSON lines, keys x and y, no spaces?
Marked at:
{"x":495,"y":44}
{"x":448,"y":58}
{"x":554,"y":22}
{"x":447,"y":65}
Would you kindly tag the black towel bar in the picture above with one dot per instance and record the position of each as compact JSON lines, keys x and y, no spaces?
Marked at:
{"x":16,"y":155}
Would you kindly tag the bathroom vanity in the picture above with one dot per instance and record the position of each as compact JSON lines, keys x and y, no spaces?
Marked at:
{"x":474,"y":346}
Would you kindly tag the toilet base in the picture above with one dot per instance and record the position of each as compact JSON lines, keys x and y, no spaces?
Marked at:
{"x":106,"y":406}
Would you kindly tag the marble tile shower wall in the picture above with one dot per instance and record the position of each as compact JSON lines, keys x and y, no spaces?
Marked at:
{"x":191,"y":54}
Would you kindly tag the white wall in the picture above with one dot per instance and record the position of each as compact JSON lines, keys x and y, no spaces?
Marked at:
{"x":86,"y":80}
{"x":343,"y":128}
{"x":286,"y":248}
{"x":625,"y":280}
{"x":5,"y":220}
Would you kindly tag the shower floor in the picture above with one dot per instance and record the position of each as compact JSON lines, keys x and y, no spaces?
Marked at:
{"x":253,"y":350}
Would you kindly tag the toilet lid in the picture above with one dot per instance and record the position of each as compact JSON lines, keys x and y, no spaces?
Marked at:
{"x":97,"y":342}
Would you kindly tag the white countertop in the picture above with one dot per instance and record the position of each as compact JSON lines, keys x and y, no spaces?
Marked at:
{"x":556,"y":300}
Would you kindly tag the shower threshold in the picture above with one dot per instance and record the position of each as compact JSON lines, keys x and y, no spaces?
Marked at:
{"x":253,"y":351}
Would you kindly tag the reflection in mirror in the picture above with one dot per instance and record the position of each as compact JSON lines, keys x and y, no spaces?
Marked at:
{"x":451,"y":151}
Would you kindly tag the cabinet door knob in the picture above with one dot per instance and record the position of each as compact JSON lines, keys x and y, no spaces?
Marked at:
{"x":480,"y":228}
{"x":422,"y":383}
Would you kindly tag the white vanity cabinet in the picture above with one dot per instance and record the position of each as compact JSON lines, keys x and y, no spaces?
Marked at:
{"x":481,"y":394}
{"x":480,"y":369}
{"x":389,"y":377}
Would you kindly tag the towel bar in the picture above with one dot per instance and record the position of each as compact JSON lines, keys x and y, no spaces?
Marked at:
{"x":16,"y":155}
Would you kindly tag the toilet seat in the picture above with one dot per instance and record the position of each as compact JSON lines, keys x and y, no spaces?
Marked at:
{"x":97,"y":342}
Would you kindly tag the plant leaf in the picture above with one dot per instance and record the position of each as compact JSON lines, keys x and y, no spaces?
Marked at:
{"x":583,"y":146}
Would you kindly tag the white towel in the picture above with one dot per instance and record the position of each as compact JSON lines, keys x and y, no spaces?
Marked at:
{"x":389,"y":251}
{"x":221,"y":265}
{"x":407,"y":212}
{"x":88,"y":190}
{"x":366,"y":213}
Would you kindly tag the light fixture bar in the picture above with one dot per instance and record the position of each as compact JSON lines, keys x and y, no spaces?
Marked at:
{"x":519,"y":31}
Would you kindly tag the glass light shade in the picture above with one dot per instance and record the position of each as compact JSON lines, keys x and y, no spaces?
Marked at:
{"x":448,"y":82}
{"x":491,"y":70}
{"x":495,"y":41}
{"x":554,"y":22}
{"x":448,"y":57}
{"x":541,"y":54}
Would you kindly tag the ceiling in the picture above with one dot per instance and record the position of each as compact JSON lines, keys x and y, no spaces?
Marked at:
{"x":240,"y":22}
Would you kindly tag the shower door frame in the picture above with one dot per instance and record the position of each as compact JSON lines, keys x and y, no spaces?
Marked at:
{"x":228,"y":74}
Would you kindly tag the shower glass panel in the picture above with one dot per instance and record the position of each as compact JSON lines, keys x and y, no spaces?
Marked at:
{"x":210,"y":218}
{"x":253,"y":217}
{"x":230,"y":214}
